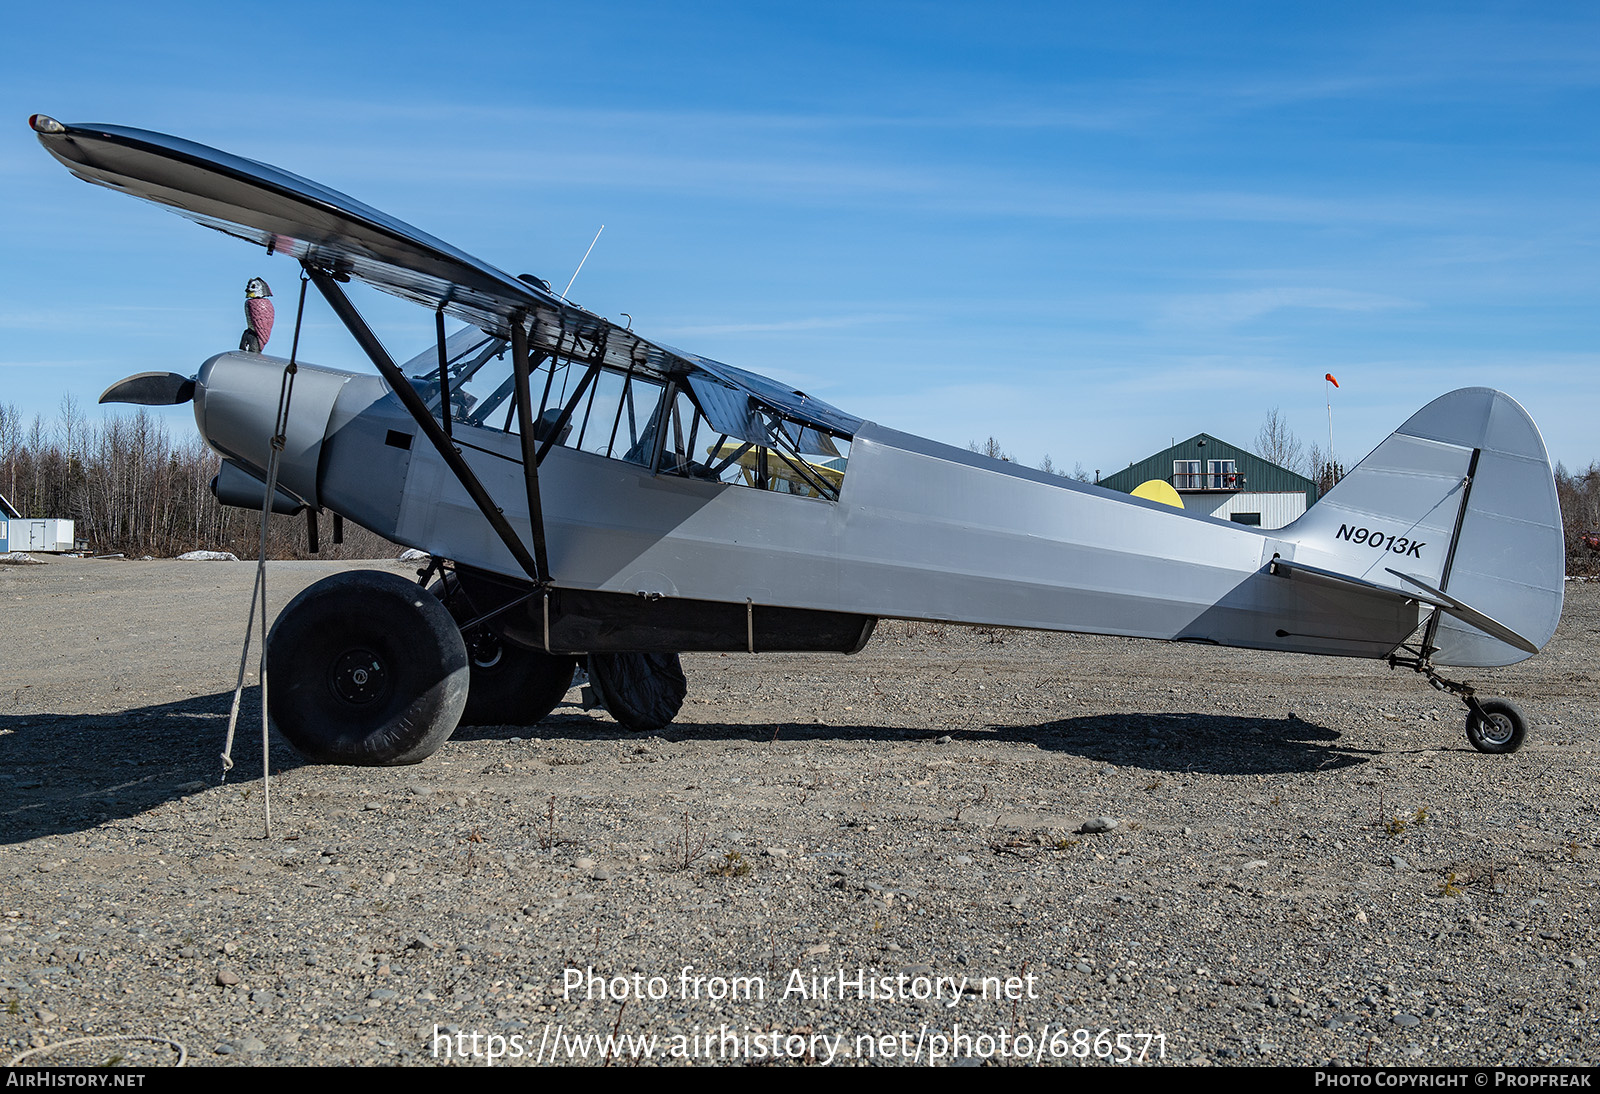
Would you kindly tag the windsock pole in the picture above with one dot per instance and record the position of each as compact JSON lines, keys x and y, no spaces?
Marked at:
{"x":1327,"y":379}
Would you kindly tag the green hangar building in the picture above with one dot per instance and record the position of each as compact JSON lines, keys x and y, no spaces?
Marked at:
{"x":1216,"y":479}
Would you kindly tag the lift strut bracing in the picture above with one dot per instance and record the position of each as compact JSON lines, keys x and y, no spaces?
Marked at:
{"x":347,"y":313}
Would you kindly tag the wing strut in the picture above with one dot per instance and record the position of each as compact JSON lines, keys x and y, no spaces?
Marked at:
{"x":369,"y":343}
{"x":446,"y":411}
{"x":530,"y":458}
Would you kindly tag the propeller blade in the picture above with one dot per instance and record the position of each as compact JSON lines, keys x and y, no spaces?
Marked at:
{"x":151,"y":389}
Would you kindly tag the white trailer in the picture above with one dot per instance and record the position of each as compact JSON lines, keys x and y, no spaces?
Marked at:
{"x":46,"y":536}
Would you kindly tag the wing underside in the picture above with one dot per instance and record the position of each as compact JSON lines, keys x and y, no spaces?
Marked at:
{"x":310,"y":222}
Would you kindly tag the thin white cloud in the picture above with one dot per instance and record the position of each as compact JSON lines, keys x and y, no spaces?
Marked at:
{"x":759,"y":156}
{"x":76,"y":320}
{"x":820,"y":322}
{"x":1232,"y":308}
{"x":86,"y":363}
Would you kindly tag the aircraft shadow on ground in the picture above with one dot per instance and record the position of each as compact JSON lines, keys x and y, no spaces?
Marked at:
{"x":1217,"y":744}
{"x":62,"y":773}
{"x":1203,"y":743}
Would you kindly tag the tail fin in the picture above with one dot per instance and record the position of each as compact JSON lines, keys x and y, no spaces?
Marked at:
{"x":1460,"y":501}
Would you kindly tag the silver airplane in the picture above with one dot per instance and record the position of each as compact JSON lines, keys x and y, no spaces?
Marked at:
{"x":584,"y":492}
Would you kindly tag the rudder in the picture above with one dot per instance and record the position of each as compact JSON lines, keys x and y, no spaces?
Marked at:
{"x":1462,"y":498}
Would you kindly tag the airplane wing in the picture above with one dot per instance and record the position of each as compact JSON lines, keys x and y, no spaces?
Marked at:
{"x":283,"y":212}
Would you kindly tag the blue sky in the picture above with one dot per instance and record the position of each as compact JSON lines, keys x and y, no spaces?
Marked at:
{"x":1083,"y":229}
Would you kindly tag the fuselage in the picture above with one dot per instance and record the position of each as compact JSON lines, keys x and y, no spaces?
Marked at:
{"x":919,"y":530}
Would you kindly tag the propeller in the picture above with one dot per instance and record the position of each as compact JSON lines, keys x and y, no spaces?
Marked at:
{"x":151,"y":389}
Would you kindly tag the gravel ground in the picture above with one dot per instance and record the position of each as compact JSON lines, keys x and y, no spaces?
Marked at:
{"x":1309,"y":864}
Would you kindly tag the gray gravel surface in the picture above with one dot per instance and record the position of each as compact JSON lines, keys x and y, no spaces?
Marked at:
{"x":1229,"y":857}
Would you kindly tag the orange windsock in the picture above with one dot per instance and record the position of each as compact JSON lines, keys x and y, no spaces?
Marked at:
{"x":1329,"y":377}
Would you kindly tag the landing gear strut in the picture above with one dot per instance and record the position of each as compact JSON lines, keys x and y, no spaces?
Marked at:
{"x":1493,"y":725}
{"x":511,"y":685}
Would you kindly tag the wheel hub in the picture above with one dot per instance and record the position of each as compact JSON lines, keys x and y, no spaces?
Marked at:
{"x":485,"y":650}
{"x":359,"y":677}
{"x":1497,"y":729}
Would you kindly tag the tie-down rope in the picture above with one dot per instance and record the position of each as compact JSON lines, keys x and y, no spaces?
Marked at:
{"x":258,"y":593}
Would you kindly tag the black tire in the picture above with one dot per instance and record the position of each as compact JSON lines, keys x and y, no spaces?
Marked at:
{"x":643,"y":691}
{"x":365,"y":668}
{"x":511,"y":684}
{"x":1504,"y":731}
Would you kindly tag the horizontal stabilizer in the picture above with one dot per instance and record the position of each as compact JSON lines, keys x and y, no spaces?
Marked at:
{"x":1299,"y":571}
{"x":1468,"y":614}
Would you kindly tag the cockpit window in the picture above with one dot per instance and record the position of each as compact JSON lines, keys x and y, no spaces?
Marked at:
{"x":699,"y":427}
{"x":479,"y":375}
{"x":793,"y":460}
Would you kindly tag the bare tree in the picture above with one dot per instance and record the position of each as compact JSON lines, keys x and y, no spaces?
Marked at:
{"x":10,"y":446}
{"x":128,"y":487}
{"x":1579,"y":494}
{"x":1277,"y":443}
{"x":1323,"y":469}
{"x":990,"y":448}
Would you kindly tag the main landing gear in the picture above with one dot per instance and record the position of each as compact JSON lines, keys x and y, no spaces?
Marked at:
{"x":1493,"y":725}
{"x":372,"y":669}
{"x":366,"y":668}
{"x":511,"y":684}
{"x":514,"y":685}
{"x":643,"y":691}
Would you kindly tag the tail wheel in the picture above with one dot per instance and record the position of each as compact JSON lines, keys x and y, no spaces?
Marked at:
{"x":511,"y":684}
{"x":643,"y":691}
{"x":1501,"y":728}
{"x":365,"y":668}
